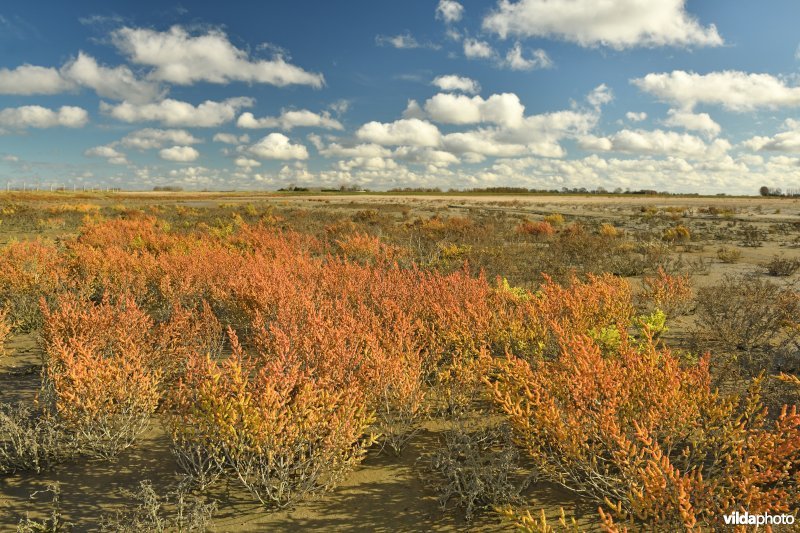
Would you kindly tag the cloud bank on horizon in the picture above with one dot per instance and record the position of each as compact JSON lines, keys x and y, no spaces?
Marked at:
{"x":632,"y":94}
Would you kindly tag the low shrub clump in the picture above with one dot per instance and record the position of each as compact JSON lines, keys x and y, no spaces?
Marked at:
{"x":555,"y":219}
{"x":526,"y":522}
{"x":647,"y":438}
{"x":670,"y":293}
{"x":99,"y":379}
{"x":679,"y":233}
{"x":363,"y":248}
{"x":608,"y":230}
{"x":728,"y":255}
{"x":539,"y":229}
{"x":270,"y":425}
{"x":781,"y":266}
{"x":745,"y":319}
{"x":751,"y":236}
{"x":176,"y":510}
{"x":31,"y":441}
{"x":29,"y":271}
{"x":54,"y":522}
{"x":477,"y":466}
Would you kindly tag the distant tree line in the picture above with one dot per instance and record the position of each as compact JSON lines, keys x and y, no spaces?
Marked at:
{"x":342,"y":188}
{"x":415,"y":189}
{"x":776,"y":191}
{"x":524,"y":190}
{"x":168,"y":188}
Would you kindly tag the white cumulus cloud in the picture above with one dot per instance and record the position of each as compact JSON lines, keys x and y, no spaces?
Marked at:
{"x":516,"y":61}
{"x":731,"y":89}
{"x":34,"y":116}
{"x":657,"y":142}
{"x":475,"y":49}
{"x":451,"y":82}
{"x":118,"y":83}
{"x":425,"y":155}
{"x":177,"y":113}
{"x":502,"y":109}
{"x":111,"y":154}
{"x":289,"y":119}
{"x":481,"y":142}
{"x":617,"y":24}
{"x":600,"y":96}
{"x":400,"y":41}
{"x":449,"y":11}
{"x":359,"y":150}
{"x":181,"y":154}
{"x":367,"y":163}
{"x":687,"y":120}
{"x":413,"y":110}
{"x":31,"y":79}
{"x":785,"y":141}
{"x":179,"y":57}
{"x":551,"y":127}
{"x":411,"y":131}
{"x":244,"y":162}
{"x":278,"y":146}
{"x":230,"y":138}
{"x":151,"y":138}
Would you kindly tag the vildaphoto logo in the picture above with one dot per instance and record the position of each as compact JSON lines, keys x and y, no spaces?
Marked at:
{"x":747,"y":519}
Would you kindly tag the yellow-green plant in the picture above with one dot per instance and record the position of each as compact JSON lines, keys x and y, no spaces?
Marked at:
{"x":555,"y":219}
{"x":653,"y":324}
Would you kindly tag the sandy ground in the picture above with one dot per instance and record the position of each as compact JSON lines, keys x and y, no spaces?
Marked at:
{"x":384,"y":494}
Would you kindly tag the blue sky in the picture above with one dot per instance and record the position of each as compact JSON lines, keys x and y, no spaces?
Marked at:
{"x":685,"y":96}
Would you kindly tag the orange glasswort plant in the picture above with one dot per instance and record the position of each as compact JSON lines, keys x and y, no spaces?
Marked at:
{"x":186,"y":333}
{"x":99,"y":377}
{"x":646,"y":437}
{"x":540,"y":228}
{"x":339,"y":342}
{"x":530,"y":325}
{"x":29,"y":271}
{"x":269,"y":424}
{"x":363,"y":248}
{"x":670,"y":293}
